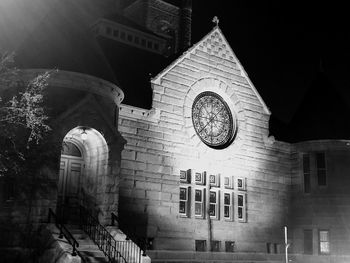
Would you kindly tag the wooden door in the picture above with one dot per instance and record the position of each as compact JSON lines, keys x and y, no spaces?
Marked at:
{"x":71,"y":169}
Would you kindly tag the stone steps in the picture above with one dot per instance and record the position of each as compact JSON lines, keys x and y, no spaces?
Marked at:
{"x":212,"y":257}
{"x":87,"y":248}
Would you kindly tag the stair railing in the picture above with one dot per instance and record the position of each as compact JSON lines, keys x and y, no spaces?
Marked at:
{"x":64,"y":232}
{"x":139,"y":241}
{"x":116,"y":251}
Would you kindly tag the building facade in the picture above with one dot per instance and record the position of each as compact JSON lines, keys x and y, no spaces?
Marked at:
{"x":196,"y":168}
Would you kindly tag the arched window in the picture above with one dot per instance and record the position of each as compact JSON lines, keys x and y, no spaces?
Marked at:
{"x":69,"y":148}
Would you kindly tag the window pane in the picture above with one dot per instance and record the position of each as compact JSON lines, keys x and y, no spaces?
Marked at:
{"x":323,"y":235}
{"x":198,"y":208}
{"x":320,"y":159}
{"x":240,"y":212}
{"x":229,"y":246}
{"x":306,"y":163}
{"x":183,"y":194}
{"x":198,"y":195}
{"x":322,"y":178}
{"x":212,"y":197}
{"x":240,"y":183}
{"x":240,"y":200}
{"x":227,"y":199}
{"x":182,"y":207}
{"x":307,"y":184}
{"x":324,"y":247}
{"x":212,"y":210}
{"x":226,"y":211}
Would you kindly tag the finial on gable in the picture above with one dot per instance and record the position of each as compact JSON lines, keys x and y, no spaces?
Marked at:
{"x":216,"y":21}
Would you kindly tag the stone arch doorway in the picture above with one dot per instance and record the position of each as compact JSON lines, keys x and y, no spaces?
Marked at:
{"x":83,"y":165}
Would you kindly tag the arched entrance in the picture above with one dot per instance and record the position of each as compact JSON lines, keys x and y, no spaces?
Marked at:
{"x":71,"y":170}
{"x":83,"y":165}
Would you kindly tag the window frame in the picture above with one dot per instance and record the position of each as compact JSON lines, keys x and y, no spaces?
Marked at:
{"x":230,"y":206}
{"x":216,"y":204}
{"x":187,"y":201}
{"x":243,"y":207}
{"x":308,"y":172}
{"x":327,"y":241}
{"x":318,"y":169}
{"x":201,"y":203}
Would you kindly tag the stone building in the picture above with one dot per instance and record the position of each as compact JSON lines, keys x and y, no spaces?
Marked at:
{"x":179,"y":146}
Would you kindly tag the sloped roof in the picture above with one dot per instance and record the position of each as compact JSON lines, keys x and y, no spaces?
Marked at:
{"x":191,"y":50}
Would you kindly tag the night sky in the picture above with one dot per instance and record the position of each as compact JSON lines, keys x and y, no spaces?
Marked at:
{"x":283,"y":45}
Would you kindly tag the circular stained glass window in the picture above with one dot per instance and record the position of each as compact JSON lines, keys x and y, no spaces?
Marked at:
{"x":213,"y":120}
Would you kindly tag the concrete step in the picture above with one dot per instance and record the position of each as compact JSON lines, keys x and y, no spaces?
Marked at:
{"x":160,"y":256}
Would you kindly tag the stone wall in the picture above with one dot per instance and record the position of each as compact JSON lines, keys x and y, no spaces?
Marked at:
{"x":162,"y":141}
{"x":324,"y":207}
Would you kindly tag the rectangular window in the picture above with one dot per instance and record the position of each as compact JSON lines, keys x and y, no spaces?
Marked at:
{"x":143,"y":42}
{"x":129,"y":38}
{"x":306,"y":172}
{"x":156,"y":46}
{"x":228,"y":201}
{"x":241,"y":184}
{"x":308,"y":242}
{"x":214,"y":180}
{"x":229,"y":246}
{"x":228,"y":182}
{"x":215,"y":246}
{"x":184,"y":201}
{"x":136,"y":40}
{"x":201,"y":245}
{"x":241,"y":207}
{"x":122,"y":35}
{"x":213,"y":205}
{"x":324,"y":241}
{"x":200,"y":178}
{"x":116,"y":33}
{"x":149,"y":44}
{"x":321,"y":169}
{"x":185,"y":176}
{"x":199,"y":203}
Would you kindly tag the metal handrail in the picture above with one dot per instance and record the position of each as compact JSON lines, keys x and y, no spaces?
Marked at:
{"x":116,"y":251}
{"x":64,"y":232}
{"x":141,"y":242}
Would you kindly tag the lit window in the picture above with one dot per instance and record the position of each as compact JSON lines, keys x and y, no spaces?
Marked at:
{"x":199,"y":203}
{"x":213,"y":205}
{"x":228,"y":206}
{"x":241,"y":207}
{"x":324,"y":241}
{"x":306,"y":172}
{"x":321,"y":169}
{"x":184,"y":201}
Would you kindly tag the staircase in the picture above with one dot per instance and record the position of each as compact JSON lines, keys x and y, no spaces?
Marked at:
{"x":164,"y":256}
{"x":87,"y":250}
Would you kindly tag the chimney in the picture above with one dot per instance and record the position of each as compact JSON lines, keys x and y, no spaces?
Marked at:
{"x":185,"y":24}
